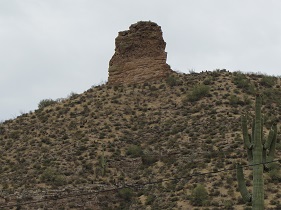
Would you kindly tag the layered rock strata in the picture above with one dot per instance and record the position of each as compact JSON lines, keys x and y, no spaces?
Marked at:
{"x":139,"y":55}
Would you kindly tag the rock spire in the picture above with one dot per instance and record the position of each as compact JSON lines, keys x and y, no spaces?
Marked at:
{"x":139,"y":55}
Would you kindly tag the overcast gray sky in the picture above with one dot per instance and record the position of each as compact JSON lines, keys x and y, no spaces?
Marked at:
{"x":50,"y":48}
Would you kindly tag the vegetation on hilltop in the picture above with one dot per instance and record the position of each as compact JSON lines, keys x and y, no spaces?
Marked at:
{"x":146,"y":133}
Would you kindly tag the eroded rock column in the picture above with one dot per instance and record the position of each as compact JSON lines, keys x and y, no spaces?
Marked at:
{"x":139,"y":55}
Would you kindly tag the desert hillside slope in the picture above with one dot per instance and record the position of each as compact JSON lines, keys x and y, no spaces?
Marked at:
{"x":89,"y":151}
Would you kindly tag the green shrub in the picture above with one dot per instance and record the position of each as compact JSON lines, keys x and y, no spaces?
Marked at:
{"x":134,"y":151}
{"x":275,"y":175}
{"x":272,"y":95}
{"x":46,"y":102}
{"x":15,"y":135}
{"x":233,"y":100}
{"x":52,"y":177}
{"x":149,"y":160}
{"x":268,"y":81}
{"x":242,"y":82}
{"x":150,"y":199}
{"x":208,"y":81}
{"x":126,"y":194}
{"x":2,"y":130}
{"x":198,"y":92}
{"x":199,"y":196}
{"x":247,"y":100}
{"x":172,"y":81}
{"x":228,"y":204}
{"x":72,"y":95}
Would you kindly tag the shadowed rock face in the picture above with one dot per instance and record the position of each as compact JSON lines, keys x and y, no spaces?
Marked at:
{"x":139,"y":55}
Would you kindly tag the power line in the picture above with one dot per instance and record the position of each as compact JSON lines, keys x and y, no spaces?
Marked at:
{"x":135,"y":185}
{"x":206,"y":173}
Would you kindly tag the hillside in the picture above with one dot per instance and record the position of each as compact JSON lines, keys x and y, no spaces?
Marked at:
{"x":89,"y":151}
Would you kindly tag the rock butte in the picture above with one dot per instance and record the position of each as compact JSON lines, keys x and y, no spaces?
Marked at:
{"x":139,"y":55}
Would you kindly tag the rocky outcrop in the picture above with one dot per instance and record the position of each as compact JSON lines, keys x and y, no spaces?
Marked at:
{"x":139,"y":55}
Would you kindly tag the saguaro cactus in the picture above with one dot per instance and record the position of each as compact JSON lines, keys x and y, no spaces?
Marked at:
{"x":257,"y":154}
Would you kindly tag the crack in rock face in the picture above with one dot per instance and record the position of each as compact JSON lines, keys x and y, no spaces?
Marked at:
{"x":139,"y":55}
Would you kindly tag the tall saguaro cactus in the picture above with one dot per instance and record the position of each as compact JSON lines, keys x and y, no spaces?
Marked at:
{"x":257,"y":154}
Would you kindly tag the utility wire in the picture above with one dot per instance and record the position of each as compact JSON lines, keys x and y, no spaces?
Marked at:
{"x":135,"y":185}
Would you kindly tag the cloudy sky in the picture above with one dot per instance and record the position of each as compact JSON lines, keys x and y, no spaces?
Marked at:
{"x":50,"y":48}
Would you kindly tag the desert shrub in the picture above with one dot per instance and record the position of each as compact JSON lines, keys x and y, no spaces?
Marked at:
{"x":272,"y":95}
{"x":126,"y":194}
{"x":134,"y":151}
{"x":150,"y":199}
{"x":72,"y":95}
{"x":199,"y":196}
{"x":208,"y":81}
{"x":268,"y":81}
{"x":52,"y":177}
{"x":275,"y":175}
{"x":149,"y":159}
{"x":15,"y":135}
{"x":46,"y":102}
{"x":247,"y":100}
{"x":88,"y":167}
{"x":172,"y":81}
{"x":242,"y":82}
{"x":228,"y":204}
{"x":2,"y":130}
{"x":198,"y":92}
{"x":233,"y":100}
